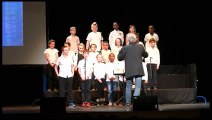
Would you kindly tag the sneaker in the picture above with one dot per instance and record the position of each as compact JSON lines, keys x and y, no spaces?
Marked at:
{"x":55,"y":90}
{"x":72,"y":105}
{"x":83,"y":104}
{"x":98,"y":105}
{"x":110,"y":104}
{"x":88,"y":104}
{"x":98,"y":100}
{"x":114,"y":104}
{"x":102,"y":99}
{"x":127,"y":105}
{"x":93,"y":89}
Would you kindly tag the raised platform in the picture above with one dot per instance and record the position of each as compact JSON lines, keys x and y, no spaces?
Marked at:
{"x":165,"y":96}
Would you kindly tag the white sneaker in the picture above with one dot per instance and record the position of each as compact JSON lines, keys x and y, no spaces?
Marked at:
{"x":110,"y":104}
{"x":98,"y":100}
{"x":102,"y":99}
{"x":114,"y":104}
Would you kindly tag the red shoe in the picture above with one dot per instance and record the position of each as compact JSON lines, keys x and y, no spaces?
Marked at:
{"x":88,"y":104}
{"x":83,"y":104}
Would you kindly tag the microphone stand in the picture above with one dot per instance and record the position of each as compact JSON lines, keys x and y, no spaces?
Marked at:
{"x":150,"y":68}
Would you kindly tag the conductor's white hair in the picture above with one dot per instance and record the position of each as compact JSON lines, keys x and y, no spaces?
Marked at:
{"x":132,"y":38}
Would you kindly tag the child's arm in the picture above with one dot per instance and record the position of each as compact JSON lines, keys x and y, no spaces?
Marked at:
{"x":56,"y":70}
{"x":47,"y":57}
{"x":126,"y":40}
{"x":72,"y":68}
{"x":78,"y":42}
{"x":158,"y":57}
{"x":87,"y":44}
{"x":90,"y":73}
{"x":48,"y":60}
{"x":110,"y":39}
{"x":56,"y":55}
{"x":82,"y":77}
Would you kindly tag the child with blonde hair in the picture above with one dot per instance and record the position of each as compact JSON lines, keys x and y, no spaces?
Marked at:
{"x":73,"y":39}
{"x":94,"y":37}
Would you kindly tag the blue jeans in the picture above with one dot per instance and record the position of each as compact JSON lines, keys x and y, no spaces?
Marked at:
{"x":129,"y":89}
{"x":112,"y":88}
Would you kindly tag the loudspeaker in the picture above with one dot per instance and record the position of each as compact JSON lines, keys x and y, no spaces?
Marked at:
{"x":53,"y":105}
{"x":145,"y":103}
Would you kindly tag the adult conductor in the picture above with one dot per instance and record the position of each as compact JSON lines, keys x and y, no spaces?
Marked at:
{"x":132,"y":54}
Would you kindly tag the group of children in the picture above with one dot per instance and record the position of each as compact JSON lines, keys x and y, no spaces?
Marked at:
{"x":92,"y":66}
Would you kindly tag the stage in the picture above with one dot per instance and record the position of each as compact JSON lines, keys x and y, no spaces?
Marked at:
{"x":177,"y":99}
{"x":165,"y":111}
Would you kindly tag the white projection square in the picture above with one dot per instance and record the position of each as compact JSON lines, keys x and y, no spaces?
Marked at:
{"x":23,"y":33}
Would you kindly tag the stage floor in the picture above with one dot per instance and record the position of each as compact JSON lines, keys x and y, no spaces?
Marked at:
{"x":165,"y":111}
{"x":78,"y":109}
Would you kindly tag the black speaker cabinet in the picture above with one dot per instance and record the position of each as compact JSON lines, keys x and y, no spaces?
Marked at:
{"x":53,"y":105}
{"x":145,"y":103}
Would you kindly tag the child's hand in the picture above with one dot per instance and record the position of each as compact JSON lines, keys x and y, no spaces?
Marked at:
{"x":52,"y":64}
{"x":157,"y":67}
{"x":112,"y":78}
{"x":82,"y":77}
{"x":100,"y":81}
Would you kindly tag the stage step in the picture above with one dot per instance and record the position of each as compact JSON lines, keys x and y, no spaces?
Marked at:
{"x":165,"y":96}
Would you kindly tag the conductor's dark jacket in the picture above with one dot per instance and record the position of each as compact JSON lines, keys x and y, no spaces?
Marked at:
{"x":133,"y":55}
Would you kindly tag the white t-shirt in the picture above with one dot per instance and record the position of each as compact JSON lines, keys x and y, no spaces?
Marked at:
{"x":85,"y":69}
{"x":74,"y":41}
{"x":99,"y":70}
{"x":95,"y":38}
{"x":52,"y":54}
{"x":105,"y":54}
{"x":148,"y":36}
{"x":92,"y":57}
{"x":65,"y":66}
{"x":153,"y":56}
{"x":113,"y":36}
{"x":110,"y":70}
{"x":116,"y":50}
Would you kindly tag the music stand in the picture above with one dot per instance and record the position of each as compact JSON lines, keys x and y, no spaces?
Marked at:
{"x":122,"y":73}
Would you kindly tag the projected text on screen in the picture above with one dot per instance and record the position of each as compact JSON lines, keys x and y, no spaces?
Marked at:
{"x":12,"y":24}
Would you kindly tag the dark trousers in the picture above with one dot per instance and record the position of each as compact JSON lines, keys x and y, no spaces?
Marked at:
{"x":66,"y":84}
{"x":122,"y":86}
{"x":85,"y":87}
{"x":93,"y":86}
{"x":76,"y":81}
{"x":100,"y":88}
{"x":152,"y":75}
{"x":52,"y":82}
{"x":143,"y":88}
